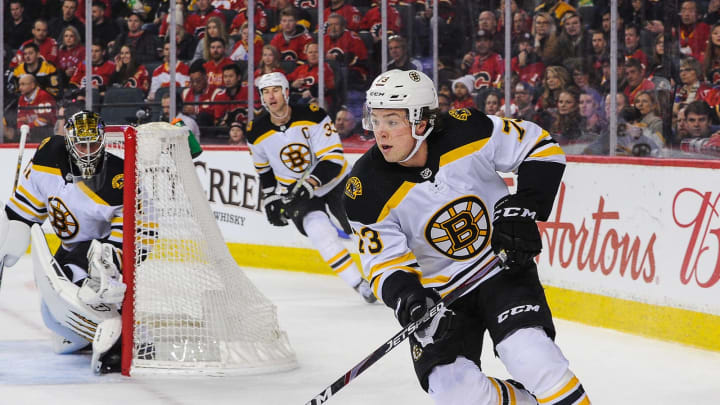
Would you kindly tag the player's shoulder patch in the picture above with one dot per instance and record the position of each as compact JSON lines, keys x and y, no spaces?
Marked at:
{"x":114,"y":184}
{"x":258,"y":126}
{"x":311,"y":112}
{"x":51,"y":152}
{"x":371,"y":183}
{"x":461,"y":127}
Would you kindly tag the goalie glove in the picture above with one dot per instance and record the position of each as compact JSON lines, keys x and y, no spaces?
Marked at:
{"x":104,"y":284}
{"x":275,"y":209}
{"x":412,"y":307}
{"x":515,"y":231}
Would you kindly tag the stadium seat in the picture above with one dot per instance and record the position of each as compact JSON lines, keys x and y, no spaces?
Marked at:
{"x":122,"y":114}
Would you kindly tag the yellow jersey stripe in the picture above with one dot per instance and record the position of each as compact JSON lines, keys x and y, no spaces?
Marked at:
{"x":30,"y":197}
{"x":462,"y":151}
{"x":263,"y":164}
{"x":333,"y":156}
{"x":564,"y":390}
{"x":85,"y":189}
{"x":544,"y":136}
{"x":300,"y":123}
{"x":396,"y":198}
{"x":585,"y":400}
{"x":553,"y":150}
{"x":284,"y":180}
{"x":497,"y":389}
{"x":47,"y":169}
{"x":337,"y":256}
{"x":116,"y":234}
{"x":344,"y":266}
{"x":116,"y":220}
{"x":392,"y":262}
{"x":331,"y":147}
{"x":26,"y":210}
{"x":263,"y":136}
{"x":511,"y":392}
{"x":438,"y":279}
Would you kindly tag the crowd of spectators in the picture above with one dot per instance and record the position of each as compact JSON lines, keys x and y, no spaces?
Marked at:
{"x":560,"y":62}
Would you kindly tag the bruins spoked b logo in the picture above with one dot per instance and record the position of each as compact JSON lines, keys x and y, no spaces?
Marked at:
{"x":295,"y":157}
{"x":461,"y":229}
{"x":62,"y":220}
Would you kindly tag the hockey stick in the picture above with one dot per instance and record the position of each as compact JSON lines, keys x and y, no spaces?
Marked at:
{"x":399,"y":337}
{"x":291,"y":194}
{"x":24,"y":130}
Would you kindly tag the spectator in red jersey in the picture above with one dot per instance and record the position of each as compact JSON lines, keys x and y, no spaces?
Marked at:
{"x":528,"y":64}
{"x":47,"y":46}
{"x":128,"y":72}
{"x":198,"y":92}
{"x":195,"y":23}
{"x":102,"y":69}
{"x":270,"y":61}
{"x":45,"y":74}
{"x":462,"y":90}
{"x":161,"y":74}
{"x":691,"y":87}
{"x":163,"y":15}
{"x":693,"y":34}
{"x":632,"y":45}
{"x":346,"y":47}
{"x":36,"y":108}
{"x":70,"y":54}
{"x":145,"y":45}
{"x":636,"y":81}
{"x":215,"y":29}
{"x":241,"y":49}
{"x":261,"y":19}
{"x":216,"y":63}
{"x":371,"y":21}
{"x":711,"y":63}
{"x":57,"y":25}
{"x":350,"y":131}
{"x":292,"y":38}
{"x":350,"y":14}
{"x":232,"y":90}
{"x":486,"y":65}
{"x":19,"y":28}
{"x":304,"y":79}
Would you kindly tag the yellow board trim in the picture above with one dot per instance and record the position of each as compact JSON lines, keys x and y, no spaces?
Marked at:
{"x":462,"y":151}
{"x":396,"y":199}
{"x":47,"y":169}
{"x":85,"y":189}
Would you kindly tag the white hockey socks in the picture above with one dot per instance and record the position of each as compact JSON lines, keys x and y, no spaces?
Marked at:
{"x":104,"y":284}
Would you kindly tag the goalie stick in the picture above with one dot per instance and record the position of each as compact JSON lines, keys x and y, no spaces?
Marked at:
{"x":24,"y":130}
{"x":399,"y":337}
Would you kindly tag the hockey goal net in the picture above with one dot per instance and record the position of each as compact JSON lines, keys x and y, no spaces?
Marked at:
{"x":189,"y":308}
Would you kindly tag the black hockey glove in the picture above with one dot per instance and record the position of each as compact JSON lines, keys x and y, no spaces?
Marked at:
{"x":515,"y":231}
{"x":274,"y":209}
{"x":298,"y":194}
{"x":411,"y":307}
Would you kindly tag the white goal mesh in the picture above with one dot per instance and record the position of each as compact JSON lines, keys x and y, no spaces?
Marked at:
{"x":192,"y":309}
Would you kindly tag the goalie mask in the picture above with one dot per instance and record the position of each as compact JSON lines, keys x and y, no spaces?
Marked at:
{"x":410,"y":90}
{"x":85,"y":142}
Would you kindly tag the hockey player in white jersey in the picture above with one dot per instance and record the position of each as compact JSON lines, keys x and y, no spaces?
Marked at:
{"x":299,"y":158}
{"x":77,"y":186}
{"x":429,"y":209}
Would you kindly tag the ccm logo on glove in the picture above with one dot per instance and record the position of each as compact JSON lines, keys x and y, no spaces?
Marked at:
{"x":514,"y":212}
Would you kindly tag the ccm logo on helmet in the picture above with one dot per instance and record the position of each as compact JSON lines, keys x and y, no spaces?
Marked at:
{"x":376,"y":94}
{"x":514,"y":212}
{"x":517,"y":310}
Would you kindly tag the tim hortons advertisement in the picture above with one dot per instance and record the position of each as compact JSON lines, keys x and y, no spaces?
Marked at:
{"x":644,"y":233}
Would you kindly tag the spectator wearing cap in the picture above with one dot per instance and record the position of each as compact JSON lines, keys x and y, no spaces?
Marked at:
{"x":693,"y":33}
{"x":485,"y":65}
{"x":146,"y":45}
{"x":399,"y":53}
{"x":556,"y":8}
{"x":636,"y":81}
{"x":237,"y":134}
{"x":632,"y":45}
{"x":528,"y":64}
{"x":462,"y":90}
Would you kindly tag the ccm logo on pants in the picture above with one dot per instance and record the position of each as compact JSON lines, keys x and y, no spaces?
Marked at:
{"x":517,"y":310}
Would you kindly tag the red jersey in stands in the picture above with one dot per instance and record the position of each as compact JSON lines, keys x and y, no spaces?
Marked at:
{"x":214,"y":71}
{"x":696,"y":37}
{"x":698,"y":91}
{"x":371,"y":21}
{"x":531,"y":73}
{"x":488,"y":70}
{"x":639,"y":55}
{"x":261,"y":21}
{"x":38,"y":117}
{"x":226,"y":114}
{"x":228,"y":4}
{"x":189,"y":96}
{"x":100,"y":75}
{"x":645,"y":84}
{"x":350,"y":13}
{"x":349,"y":47}
{"x":161,"y":76}
{"x":68,"y":58}
{"x":195,"y":22}
{"x":292,"y":47}
{"x":258,"y":73}
{"x":140,"y":80}
{"x":48,"y":50}
{"x":468,"y":102}
{"x":309,"y":75}
{"x":240,"y":50}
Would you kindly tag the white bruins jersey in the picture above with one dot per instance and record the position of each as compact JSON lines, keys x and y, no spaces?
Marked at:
{"x":76,"y":212}
{"x":281,"y":154}
{"x":435,"y":221}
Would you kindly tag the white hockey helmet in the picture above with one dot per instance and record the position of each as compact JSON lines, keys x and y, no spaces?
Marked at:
{"x":411,"y":90}
{"x":85,"y":141}
{"x":270,"y":80}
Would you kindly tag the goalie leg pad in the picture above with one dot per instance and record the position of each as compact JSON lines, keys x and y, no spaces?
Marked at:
{"x":105,"y":360}
{"x":104,"y":284}
{"x":14,"y":239}
{"x":64,"y":340}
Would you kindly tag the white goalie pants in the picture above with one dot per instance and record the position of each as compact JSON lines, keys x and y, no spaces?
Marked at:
{"x":530,"y":357}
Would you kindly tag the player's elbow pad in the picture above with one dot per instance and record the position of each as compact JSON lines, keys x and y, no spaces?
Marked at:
{"x":17,"y":240}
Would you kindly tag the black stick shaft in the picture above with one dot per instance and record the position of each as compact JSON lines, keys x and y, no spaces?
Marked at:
{"x":399,"y":337}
